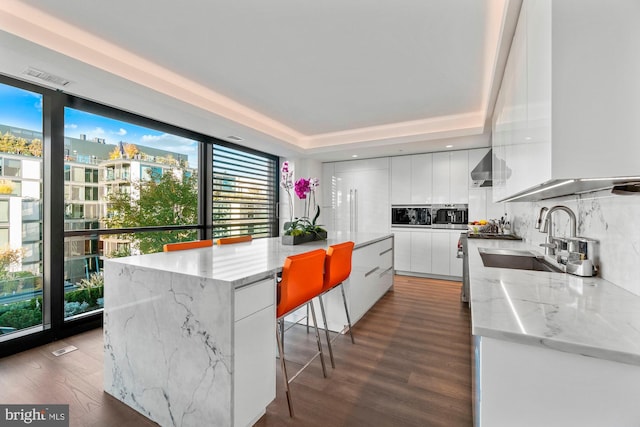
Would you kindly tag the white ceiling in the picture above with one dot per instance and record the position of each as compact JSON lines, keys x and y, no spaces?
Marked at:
{"x":324,"y":79}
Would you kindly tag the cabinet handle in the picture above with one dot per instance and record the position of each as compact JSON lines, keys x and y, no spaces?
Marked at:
{"x":355,"y":217}
{"x":384,"y":252}
{"x":351,"y":210}
{"x":368,"y":273}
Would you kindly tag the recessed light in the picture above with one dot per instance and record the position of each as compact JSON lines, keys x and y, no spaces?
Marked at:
{"x":449,"y":146}
{"x":354,"y":155}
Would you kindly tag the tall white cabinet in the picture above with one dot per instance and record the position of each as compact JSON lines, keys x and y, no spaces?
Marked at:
{"x":357,"y":195}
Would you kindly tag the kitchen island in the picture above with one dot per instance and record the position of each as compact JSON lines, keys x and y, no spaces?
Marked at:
{"x":550,"y":348}
{"x":189,"y":336}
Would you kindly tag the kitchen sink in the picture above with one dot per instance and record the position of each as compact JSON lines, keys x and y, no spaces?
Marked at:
{"x":516,"y":259}
{"x":496,"y":236}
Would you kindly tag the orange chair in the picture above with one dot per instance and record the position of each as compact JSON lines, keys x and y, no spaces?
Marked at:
{"x":235,"y":239}
{"x":302,"y":279}
{"x":337,"y":268}
{"x":179,"y":246}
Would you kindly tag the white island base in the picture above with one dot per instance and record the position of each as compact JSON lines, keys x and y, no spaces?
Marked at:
{"x":189,"y":336}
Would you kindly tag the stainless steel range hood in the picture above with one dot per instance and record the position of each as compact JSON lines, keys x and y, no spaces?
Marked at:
{"x":482,"y":175}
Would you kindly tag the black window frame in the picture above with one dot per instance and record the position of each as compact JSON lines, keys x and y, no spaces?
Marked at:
{"x":53,"y":204}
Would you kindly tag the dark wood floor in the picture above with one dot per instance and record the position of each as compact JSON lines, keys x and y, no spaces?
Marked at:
{"x":410,"y":366}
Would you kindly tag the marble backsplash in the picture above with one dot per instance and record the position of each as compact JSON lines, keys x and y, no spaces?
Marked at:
{"x":608,"y":218}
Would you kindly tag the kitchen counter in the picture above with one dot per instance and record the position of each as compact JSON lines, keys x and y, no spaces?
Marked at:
{"x":189,"y":336}
{"x":583,"y":315}
{"x":239,"y":264}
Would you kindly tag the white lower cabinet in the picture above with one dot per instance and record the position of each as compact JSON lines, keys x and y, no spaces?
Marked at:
{"x":528,"y":386}
{"x":254,"y":351}
{"x":430,"y":252}
{"x":372,"y":269}
{"x":371,"y":277}
{"x":440,"y":252}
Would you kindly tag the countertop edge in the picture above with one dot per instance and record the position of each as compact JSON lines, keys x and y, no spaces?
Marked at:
{"x":510,"y":333}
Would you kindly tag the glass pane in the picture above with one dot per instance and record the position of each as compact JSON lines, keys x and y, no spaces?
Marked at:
{"x":121,"y":176}
{"x":20,"y":211}
{"x":84,"y":283}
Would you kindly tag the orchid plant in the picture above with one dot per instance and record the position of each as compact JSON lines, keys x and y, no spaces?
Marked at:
{"x":305,"y":189}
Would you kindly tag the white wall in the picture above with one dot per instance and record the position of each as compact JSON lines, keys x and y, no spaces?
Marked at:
{"x":613,"y":220}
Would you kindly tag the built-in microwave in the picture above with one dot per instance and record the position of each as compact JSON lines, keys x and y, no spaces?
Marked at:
{"x":450,"y":216}
{"x":410,"y":216}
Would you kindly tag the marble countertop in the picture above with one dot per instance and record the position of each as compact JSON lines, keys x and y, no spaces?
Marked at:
{"x":583,"y":315}
{"x":241,"y":263}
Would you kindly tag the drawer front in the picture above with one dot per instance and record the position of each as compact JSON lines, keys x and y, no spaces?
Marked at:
{"x":253,"y":298}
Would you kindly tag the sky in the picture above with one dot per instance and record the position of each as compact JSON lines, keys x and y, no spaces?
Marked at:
{"x":21,"y":108}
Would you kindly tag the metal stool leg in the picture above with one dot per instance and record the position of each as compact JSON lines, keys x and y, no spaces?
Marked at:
{"x":326,"y":331}
{"x":315,"y":326}
{"x":283,"y":365}
{"x":346,"y":310}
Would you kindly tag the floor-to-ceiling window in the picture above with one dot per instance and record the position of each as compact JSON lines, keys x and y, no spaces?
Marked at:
{"x":21,"y":290}
{"x":124,"y":176}
{"x":81,"y":182}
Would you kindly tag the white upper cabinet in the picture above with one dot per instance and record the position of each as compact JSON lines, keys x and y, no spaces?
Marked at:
{"x":458,"y":173}
{"x":421,"y":180}
{"x":568,"y":105}
{"x":450,"y":172}
{"x":400,"y":180}
{"x":411,"y":179}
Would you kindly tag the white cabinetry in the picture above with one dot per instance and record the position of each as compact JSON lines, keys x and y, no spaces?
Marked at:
{"x":413,"y":251}
{"x":429,"y":252}
{"x":359,"y":196}
{"x":421,"y":252}
{"x":444,"y":244}
{"x":371,"y":277}
{"x":450,"y":171}
{"x":527,"y":386}
{"x":402,"y":250}
{"x":411,"y":179}
{"x":254,"y":351}
{"x":567,"y":108}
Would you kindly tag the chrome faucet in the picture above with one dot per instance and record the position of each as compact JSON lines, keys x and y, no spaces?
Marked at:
{"x":546,"y":226}
{"x":542,"y":213}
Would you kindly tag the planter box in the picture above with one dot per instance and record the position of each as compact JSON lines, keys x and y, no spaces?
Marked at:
{"x":303,"y":238}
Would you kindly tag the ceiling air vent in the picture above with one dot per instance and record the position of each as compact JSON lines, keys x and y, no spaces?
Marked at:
{"x":234,"y":138}
{"x":47,"y":77}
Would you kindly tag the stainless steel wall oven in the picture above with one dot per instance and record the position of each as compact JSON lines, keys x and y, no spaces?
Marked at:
{"x":411,"y":216}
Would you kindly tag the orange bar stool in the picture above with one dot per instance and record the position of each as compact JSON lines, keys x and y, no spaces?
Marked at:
{"x":302,"y":280}
{"x":235,"y":239}
{"x":180,"y":246}
{"x":337,"y":268}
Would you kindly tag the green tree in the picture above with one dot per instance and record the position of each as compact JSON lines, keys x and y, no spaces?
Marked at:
{"x":164,"y":200}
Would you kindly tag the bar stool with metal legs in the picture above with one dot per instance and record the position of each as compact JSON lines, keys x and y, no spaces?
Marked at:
{"x":337,"y":268}
{"x":302,"y":279}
